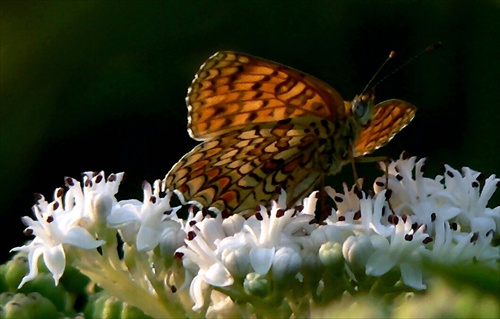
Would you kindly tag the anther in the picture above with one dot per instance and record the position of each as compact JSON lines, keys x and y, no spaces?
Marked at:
{"x":474,"y":237}
{"x":404,"y":217}
{"x":380,"y":183}
{"x":393,"y":219}
{"x":179,"y":255}
{"x":388,"y":194}
{"x":280,"y":213}
{"x":405,"y":155}
{"x":69,"y":181}
{"x":99,"y":179}
{"x":60,"y":192}
{"x":427,"y":240}
{"x":357,"y":215}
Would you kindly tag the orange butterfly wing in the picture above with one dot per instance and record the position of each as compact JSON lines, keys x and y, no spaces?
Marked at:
{"x":234,"y":90}
{"x":389,"y":118}
{"x":266,"y":126}
{"x":241,"y":169}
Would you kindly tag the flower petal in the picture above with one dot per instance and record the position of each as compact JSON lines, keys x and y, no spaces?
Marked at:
{"x":80,"y":237}
{"x":261,"y":259}
{"x":55,"y":260}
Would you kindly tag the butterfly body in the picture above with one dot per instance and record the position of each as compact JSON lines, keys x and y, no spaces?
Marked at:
{"x":265,"y":126}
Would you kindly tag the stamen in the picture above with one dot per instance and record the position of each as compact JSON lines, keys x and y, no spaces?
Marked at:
{"x":427,"y":240}
{"x":280,"y":213}
{"x":99,"y":179}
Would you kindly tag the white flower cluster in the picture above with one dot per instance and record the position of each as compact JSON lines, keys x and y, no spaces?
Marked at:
{"x":281,"y":260}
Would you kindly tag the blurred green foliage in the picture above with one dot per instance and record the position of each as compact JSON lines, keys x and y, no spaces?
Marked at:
{"x":100,"y":85}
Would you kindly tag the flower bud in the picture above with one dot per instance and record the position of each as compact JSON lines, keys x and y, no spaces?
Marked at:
{"x":330,"y":255}
{"x":32,"y":305}
{"x":237,"y":261}
{"x":286,"y":263}
{"x":256,"y":284}
{"x":356,"y":251}
{"x":15,"y":270}
{"x":44,"y":285}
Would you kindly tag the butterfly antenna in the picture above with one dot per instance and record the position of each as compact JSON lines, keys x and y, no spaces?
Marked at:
{"x":427,"y":49}
{"x":392,"y":54}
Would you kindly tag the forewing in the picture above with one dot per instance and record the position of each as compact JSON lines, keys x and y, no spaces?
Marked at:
{"x":389,"y":118}
{"x":234,"y":90}
{"x":243,"y":168}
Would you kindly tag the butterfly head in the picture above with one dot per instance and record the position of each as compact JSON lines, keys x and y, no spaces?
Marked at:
{"x":362,"y":107}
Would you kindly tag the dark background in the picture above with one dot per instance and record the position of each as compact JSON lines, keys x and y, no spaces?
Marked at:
{"x":89,"y":85}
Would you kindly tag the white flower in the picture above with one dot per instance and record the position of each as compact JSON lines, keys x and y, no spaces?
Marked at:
{"x":236,"y":266}
{"x":268,"y":233}
{"x":452,"y":207}
{"x":201,"y":252}
{"x":143,"y":223}
{"x":402,"y":249}
{"x":58,"y":225}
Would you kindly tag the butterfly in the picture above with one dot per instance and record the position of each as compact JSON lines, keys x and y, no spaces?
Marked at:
{"x":264,"y":127}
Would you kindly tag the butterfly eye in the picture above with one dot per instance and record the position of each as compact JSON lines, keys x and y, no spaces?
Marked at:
{"x":361,"y":110}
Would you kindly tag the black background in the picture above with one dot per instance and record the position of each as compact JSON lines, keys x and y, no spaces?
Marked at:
{"x":100,"y":85}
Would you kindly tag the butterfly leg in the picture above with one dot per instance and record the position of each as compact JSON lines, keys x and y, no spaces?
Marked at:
{"x":354,"y":171}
